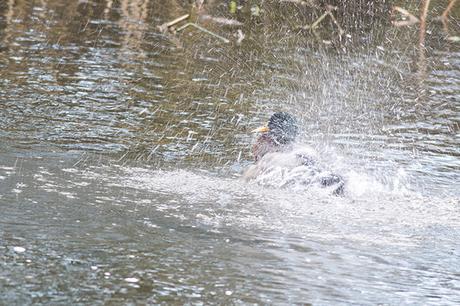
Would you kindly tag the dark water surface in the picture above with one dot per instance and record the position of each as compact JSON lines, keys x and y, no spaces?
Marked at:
{"x":121,"y":151}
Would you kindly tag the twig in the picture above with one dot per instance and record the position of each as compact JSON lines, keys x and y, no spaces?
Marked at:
{"x":329,"y":9}
{"x":341,"y":31}
{"x":169,"y":24}
{"x":424,"y":13}
{"x":422,"y":63}
{"x":191,"y":24}
{"x":177,"y":20}
{"x":445,"y":14}
{"x":295,"y":1}
{"x":315,"y":24}
{"x":240,"y":36}
{"x":412,"y":19}
{"x":222,"y":20}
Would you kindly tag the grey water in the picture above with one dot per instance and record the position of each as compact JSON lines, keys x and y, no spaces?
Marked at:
{"x":122,"y":149}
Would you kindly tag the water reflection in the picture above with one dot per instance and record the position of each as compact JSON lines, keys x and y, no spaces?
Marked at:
{"x":121,"y":149}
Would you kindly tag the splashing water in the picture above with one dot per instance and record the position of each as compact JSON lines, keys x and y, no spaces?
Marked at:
{"x":122,"y":151}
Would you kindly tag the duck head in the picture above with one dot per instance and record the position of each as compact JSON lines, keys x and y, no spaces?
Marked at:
{"x":282,"y":128}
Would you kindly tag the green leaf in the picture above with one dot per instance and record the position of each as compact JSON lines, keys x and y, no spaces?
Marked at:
{"x":232,"y":7}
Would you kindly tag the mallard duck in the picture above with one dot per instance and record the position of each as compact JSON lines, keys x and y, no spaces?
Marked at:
{"x":275,"y":147}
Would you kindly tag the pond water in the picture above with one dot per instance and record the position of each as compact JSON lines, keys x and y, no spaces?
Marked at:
{"x":122,"y":149}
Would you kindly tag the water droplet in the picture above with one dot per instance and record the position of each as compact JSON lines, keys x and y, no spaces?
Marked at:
{"x":131,"y":279}
{"x":19,"y":249}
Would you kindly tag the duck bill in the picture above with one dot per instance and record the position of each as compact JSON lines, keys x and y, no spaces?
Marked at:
{"x":262,"y":129}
